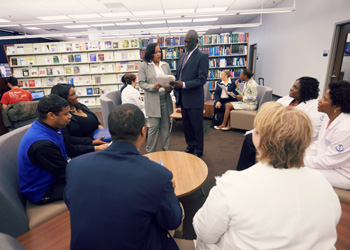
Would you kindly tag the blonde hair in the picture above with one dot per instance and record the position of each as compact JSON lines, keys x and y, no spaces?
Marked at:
{"x":227,"y":72}
{"x":285,"y":134}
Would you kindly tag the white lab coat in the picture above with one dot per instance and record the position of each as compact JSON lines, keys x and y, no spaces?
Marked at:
{"x":132,"y":96}
{"x":310,"y":108}
{"x":332,"y":150}
{"x":267,"y":208}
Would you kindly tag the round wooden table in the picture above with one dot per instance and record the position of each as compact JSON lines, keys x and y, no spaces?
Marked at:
{"x":189,"y":171}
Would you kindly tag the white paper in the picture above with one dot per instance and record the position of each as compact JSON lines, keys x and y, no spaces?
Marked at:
{"x":165,"y":80}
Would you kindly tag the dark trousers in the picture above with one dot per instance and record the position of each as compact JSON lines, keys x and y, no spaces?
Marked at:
{"x":248,"y":154}
{"x":192,"y":120}
{"x":54,"y":192}
{"x":222,"y":109}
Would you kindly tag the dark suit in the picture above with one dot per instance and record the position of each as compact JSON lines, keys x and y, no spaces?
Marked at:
{"x":119,"y":199}
{"x":191,"y":98}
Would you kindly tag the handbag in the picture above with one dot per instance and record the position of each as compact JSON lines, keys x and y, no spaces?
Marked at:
{"x":102,"y":132}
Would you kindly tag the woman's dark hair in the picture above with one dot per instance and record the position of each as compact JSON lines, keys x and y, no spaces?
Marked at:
{"x":129,"y":78}
{"x":248,"y":73}
{"x":62,"y":90}
{"x":340,"y":95}
{"x":308,"y":88}
{"x":150,"y":50}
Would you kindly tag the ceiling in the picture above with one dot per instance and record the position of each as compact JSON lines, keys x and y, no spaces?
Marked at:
{"x":68,"y":20}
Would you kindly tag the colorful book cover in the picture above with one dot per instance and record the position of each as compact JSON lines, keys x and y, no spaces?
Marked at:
{"x":25,"y":72}
{"x":34,"y":71}
{"x":60,"y":79}
{"x":97,"y":79}
{"x":101,"y":57}
{"x":54,"y":48}
{"x":56,"y":59}
{"x":14,"y":61}
{"x":70,"y":58}
{"x":81,"y":46}
{"x":64,"y":58}
{"x":89,"y":91}
{"x":77,"y":58}
{"x":126,"y":44}
{"x":92,"y":57}
{"x":31,"y":83}
{"x":108,"y":44}
{"x":76,"y":70}
{"x":68,"y":70}
{"x":115,"y":45}
{"x":31,"y":60}
{"x":70,"y":80}
{"x":42,"y":71}
{"x":133,"y":43}
{"x":69,"y":47}
{"x":22,"y":61}
{"x":58,"y":71}
{"x":49,"y":71}
{"x":96,"y":91}
{"x":20,"y":84}
{"x":50,"y":81}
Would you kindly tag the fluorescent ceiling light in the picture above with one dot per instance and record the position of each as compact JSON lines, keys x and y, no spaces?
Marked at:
{"x":127,"y":24}
{"x":180,"y":21}
{"x":71,"y":37}
{"x":209,"y":10}
{"x":37,"y":24}
{"x":76,"y":26}
{"x":102,"y":24}
{"x":9,"y":25}
{"x":53,"y":17}
{"x":4,"y":21}
{"x":148,"y":13}
{"x":108,"y":37}
{"x":179,"y":11}
{"x":196,"y":20}
{"x":85,"y":16}
{"x":32,"y":28}
{"x":153,"y":22}
{"x":266,"y":11}
{"x":119,"y":14}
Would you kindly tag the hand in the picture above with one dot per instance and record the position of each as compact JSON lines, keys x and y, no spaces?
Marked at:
{"x":218,"y":105}
{"x":100,"y":126}
{"x":156,"y":86}
{"x":169,"y":88}
{"x":173,"y":181}
{"x":98,"y":141}
{"x":236,"y":82}
{"x":177,"y":85}
{"x":101,"y":147}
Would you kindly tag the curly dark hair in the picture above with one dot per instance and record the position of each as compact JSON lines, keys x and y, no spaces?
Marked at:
{"x":340,"y":95}
{"x":248,"y":73}
{"x":308,"y":88}
{"x":150,"y":50}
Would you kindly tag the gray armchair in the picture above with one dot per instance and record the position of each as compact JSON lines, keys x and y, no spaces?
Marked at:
{"x":244,"y":119}
{"x":109,"y":102}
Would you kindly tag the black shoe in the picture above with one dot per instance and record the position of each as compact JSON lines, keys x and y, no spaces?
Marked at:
{"x":189,"y":150}
{"x":198,"y":154}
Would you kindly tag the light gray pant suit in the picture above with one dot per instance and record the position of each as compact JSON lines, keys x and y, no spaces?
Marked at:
{"x":158,"y":106}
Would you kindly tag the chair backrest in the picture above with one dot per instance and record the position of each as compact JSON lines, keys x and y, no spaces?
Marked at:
{"x":264,"y":95}
{"x":109,"y":102}
{"x":13,"y":217}
{"x":7,"y":242}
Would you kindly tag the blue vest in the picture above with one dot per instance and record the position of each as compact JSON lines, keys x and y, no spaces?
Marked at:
{"x":33,"y":181}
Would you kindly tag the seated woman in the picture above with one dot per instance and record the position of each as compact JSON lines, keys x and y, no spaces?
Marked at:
{"x":224,"y":91}
{"x":330,"y":154}
{"x":130,"y":94}
{"x":277,"y":202}
{"x":248,"y":96}
{"x":303,"y":95}
{"x":83,"y":123}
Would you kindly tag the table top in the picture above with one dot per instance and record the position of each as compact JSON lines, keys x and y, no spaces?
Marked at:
{"x":189,"y":171}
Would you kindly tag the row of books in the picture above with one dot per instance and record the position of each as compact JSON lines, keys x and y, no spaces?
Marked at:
{"x":227,"y":62}
{"x":71,"y":46}
{"x":225,"y":50}
{"x":215,"y":74}
{"x":75,"y":58}
{"x":172,"y":53}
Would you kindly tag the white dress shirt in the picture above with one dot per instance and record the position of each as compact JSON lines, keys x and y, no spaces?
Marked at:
{"x":132,"y":96}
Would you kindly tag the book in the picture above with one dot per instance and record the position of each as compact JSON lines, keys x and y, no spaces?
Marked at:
{"x":42,"y":71}
{"x":96,"y":91}
{"x":81,"y":46}
{"x":70,"y":58}
{"x":97,"y":79}
{"x":34,"y":71}
{"x":84,"y":58}
{"x":14,"y":61}
{"x":115,"y":45}
{"x":92,"y":57}
{"x":22,"y":61}
{"x":10,"y":50}
{"x":58,"y":71}
{"x":76,"y":70}
{"x":25,"y":72}
{"x":102,"y":68}
{"x":93,"y":69}
{"x":20,"y":84}
{"x":49,"y":71}
{"x":108,"y":44}
{"x":69,"y":47}
{"x":31,"y":60}
{"x":89,"y":91}
{"x":65,"y":59}
{"x":165,"y":80}
{"x":56,"y":59}
{"x":54,"y":48}
{"x":77,"y":58}
{"x":133,"y":43}
{"x":36,"y":48}
{"x":68,"y":70}
{"x":101,"y":57}
{"x":101,"y":45}
{"x":31,"y":83}
{"x":131,"y":67}
{"x":20,"y":50}
{"x":60,"y":79}
{"x":70,"y":80}
{"x":50,"y":81}
{"x":126,"y":44}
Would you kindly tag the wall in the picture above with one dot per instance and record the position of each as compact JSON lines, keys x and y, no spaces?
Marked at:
{"x":290,"y":45}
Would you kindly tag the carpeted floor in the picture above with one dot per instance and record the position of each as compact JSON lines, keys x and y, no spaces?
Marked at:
{"x":221,"y":153}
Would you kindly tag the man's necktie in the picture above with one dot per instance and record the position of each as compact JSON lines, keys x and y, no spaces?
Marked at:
{"x":183,"y":64}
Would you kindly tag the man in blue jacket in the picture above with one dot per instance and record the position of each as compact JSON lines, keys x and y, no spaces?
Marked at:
{"x":119,"y":199}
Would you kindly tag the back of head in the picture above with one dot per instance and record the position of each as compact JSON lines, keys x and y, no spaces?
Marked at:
{"x":194,"y":36}
{"x":51,"y":103}
{"x":285,"y":134}
{"x":340,"y":95}
{"x":308,"y":88}
{"x":125,"y":123}
{"x":129,"y":78}
{"x":61,"y":90}
{"x":248,"y":73}
{"x":12,"y":80}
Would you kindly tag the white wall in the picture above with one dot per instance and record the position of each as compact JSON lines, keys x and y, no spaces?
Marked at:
{"x":290,"y":45}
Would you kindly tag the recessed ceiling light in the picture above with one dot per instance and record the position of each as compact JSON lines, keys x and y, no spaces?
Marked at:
{"x":71,"y":37}
{"x":85,"y":16}
{"x":76,"y":26}
{"x":102,"y":24}
{"x":53,"y":17}
{"x":119,"y":14}
{"x":37,"y":24}
{"x":4,"y":21}
{"x":179,"y":11}
{"x":211,"y":10}
{"x":153,"y":22}
{"x":32,"y":28}
{"x":127,"y":24}
{"x":205,"y":19}
{"x":180,"y":21}
{"x":148,"y":13}
{"x":9,"y":25}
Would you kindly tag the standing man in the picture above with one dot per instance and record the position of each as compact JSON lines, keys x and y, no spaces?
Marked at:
{"x":119,"y":199}
{"x":191,"y":75}
{"x":16,"y":94}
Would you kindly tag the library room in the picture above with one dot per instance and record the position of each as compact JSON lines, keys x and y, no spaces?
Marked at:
{"x":175,"y":124}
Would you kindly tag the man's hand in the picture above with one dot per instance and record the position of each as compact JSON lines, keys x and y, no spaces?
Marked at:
{"x":157,"y":86}
{"x":169,"y":88}
{"x":98,"y":141}
{"x":101,"y":147}
{"x":177,"y":85}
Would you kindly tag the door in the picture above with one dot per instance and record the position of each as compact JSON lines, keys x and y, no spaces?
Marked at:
{"x":252,"y":57}
{"x":341,"y":65}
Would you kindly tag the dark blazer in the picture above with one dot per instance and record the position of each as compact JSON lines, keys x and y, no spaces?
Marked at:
{"x":194,"y":74}
{"x":72,"y":132}
{"x":119,"y":199}
{"x":231,"y":87}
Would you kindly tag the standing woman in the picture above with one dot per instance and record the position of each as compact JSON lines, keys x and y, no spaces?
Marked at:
{"x":83,"y":123}
{"x":158,"y":101}
{"x":248,"y":96}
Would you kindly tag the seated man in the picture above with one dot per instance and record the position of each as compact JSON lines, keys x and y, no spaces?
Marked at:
{"x":43,"y":154}
{"x":119,"y":199}
{"x":16,"y":94}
